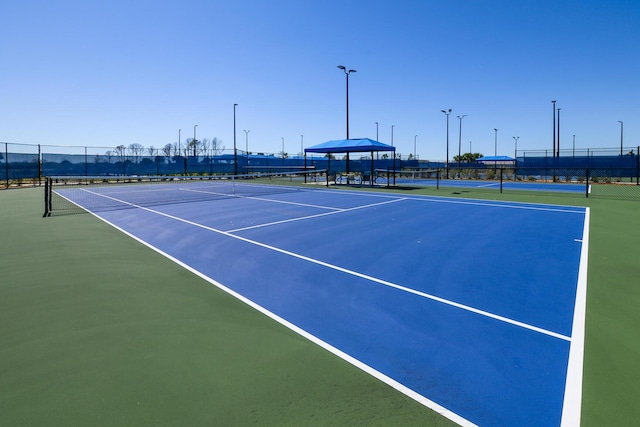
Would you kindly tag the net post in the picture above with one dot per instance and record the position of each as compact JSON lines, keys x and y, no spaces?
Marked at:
{"x":47,"y":198}
{"x":587,"y":183}
{"x":326,"y":177}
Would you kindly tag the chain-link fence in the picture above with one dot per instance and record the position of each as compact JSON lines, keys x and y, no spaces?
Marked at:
{"x":594,"y":173}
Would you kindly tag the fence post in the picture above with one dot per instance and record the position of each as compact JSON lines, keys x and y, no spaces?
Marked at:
{"x":39,"y":167}
{"x":501,"y":180}
{"x":638,"y":166}
{"x":587,"y":183}
{"x":6,"y":163}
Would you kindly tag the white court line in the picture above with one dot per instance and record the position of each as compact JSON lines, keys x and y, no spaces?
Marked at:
{"x":571,"y":408}
{"x":351,"y":272}
{"x":314,"y":216}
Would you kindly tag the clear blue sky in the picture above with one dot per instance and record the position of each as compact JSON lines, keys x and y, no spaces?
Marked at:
{"x":105,"y":73}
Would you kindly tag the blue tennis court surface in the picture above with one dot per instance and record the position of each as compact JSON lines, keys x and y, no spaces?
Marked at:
{"x":475,"y":309}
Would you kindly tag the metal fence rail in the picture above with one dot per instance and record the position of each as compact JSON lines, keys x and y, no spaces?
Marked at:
{"x":601,"y":173}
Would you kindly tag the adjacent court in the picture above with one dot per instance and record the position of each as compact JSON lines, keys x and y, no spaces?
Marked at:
{"x":474,"y":308}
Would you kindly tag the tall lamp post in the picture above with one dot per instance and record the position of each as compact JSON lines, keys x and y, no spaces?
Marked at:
{"x":415,"y":138}
{"x":447,"y":112}
{"x":246,"y":146}
{"x":460,"y":141}
{"x":515,"y":156}
{"x":621,"y":134}
{"x":194,"y":139}
{"x":343,"y":68}
{"x":558,"y":149}
{"x":495,"y":149}
{"x":554,"y":128}
{"x":235,"y":150}
{"x":246,"y":141}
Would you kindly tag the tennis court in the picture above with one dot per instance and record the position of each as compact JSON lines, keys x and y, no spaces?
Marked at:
{"x":473,"y":308}
{"x":432,"y":181}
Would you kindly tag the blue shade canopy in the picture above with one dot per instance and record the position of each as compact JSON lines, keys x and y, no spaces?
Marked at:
{"x":496,"y":159}
{"x":349,"y":146}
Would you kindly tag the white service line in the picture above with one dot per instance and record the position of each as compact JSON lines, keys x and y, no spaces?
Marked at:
{"x":352,"y":273}
{"x":314,"y":216}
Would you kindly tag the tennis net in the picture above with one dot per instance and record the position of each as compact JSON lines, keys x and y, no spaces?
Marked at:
{"x":407,"y":175}
{"x":69,"y":194}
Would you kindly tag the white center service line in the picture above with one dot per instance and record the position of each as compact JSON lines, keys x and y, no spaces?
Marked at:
{"x":316,"y":215}
{"x":351,"y":272}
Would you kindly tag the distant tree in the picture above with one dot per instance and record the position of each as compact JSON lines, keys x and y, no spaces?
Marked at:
{"x":151,"y":150}
{"x":121,"y":151}
{"x":467,"y":157}
{"x":217,"y":147}
{"x":204,"y":145}
{"x":192,"y":147}
{"x":166,"y":150}
{"x":136,"y":149}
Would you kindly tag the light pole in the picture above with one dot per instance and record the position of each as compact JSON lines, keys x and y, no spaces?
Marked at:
{"x":558,"y":152}
{"x":392,"y":126}
{"x":246,"y":147}
{"x":447,"y":112}
{"x":415,"y":138}
{"x":621,"y":134}
{"x":460,"y":141}
{"x":495,"y":150}
{"x":302,"y":145}
{"x":554,"y":127}
{"x":246,"y":141}
{"x":377,"y":138}
{"x":343,"y":68}
{"x":515,"y":157}
{"x":574,"y":145}
{"x":194,"y":139}
{"x":235,"y":150}
{"x":470,"y":150}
